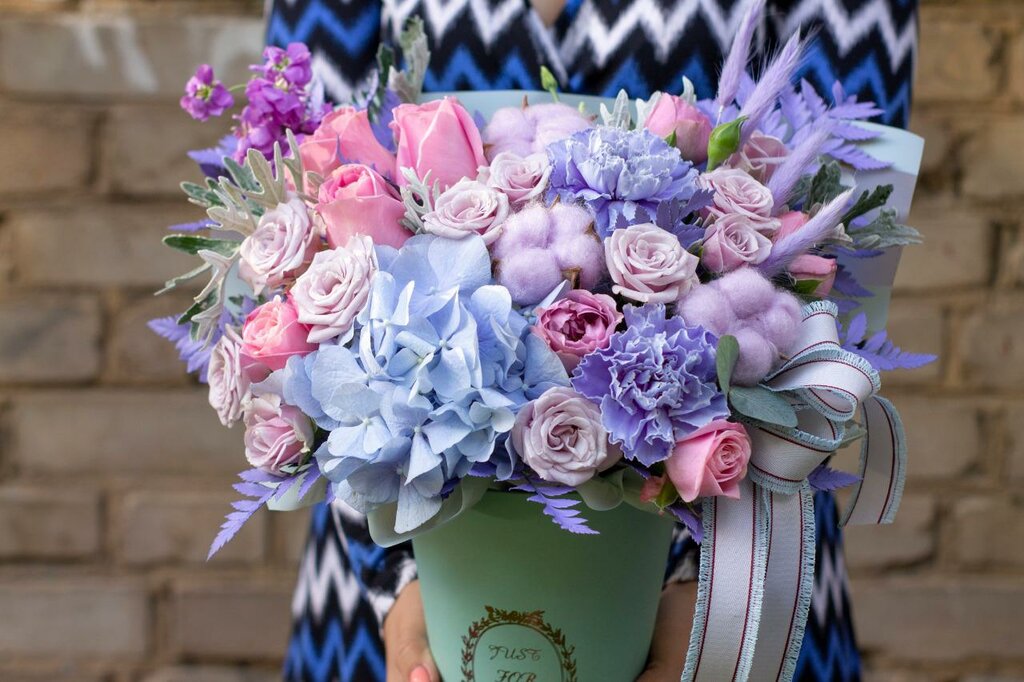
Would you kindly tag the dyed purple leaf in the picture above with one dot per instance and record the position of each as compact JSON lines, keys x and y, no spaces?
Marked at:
{"x":258,"y":496}
{"x":192,"y":227}
{"x":195,"y":354}
{"x":826,"y":478}
{"x":312,"y":476}
{"x":852,"y":132}
{"x":878,"y":350}
{"x":847,"y":285}
{"x":689,"y":518}
{"x":561,"y":510}
{"x":858,"y":158}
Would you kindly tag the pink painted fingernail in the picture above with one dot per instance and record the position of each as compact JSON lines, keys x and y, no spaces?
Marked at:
{"x":420,"y":674}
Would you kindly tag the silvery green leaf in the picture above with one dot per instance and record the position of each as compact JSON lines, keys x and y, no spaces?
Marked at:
{"x":761,"y":404}
{"x":825,"y":186}
{"x":619,"y":116}
{"x":644,"y":109}
{"x":408,"y":83}
{"x":200,"y":195}
{"x":884,"y":232}
{"x":180,"y":279}
{"x":418,"y":197}
{"x":193,"y":244}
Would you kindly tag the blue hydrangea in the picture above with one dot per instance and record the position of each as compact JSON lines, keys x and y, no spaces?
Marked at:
{"x":655,"y":383}
{"x":440,"y":366}
{"x":621,"y":175}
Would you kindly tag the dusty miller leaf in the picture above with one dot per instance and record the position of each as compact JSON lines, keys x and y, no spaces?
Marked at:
{"x":619,"y":116}
{"x":408,"y":83}
{"x":884,"y":232}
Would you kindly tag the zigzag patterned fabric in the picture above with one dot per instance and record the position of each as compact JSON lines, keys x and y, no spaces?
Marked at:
{"x":594,"y":47}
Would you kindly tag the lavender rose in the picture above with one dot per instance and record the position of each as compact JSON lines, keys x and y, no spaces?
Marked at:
{"x":281,"y":246}
{"x":559,"y":435}
{"x":649,"y":265}
{"x":738,"y":193}
{"x":276,"y":434}
{"x":228,"y":382}
{"x":520,"y":178}
{"x":334,"y":288}
{"x":760,"y":156}
{"x":468,"y":207}
{"x":733,"y":241}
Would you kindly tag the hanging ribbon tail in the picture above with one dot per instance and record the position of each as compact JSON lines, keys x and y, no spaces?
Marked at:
{"x":733,"y":561}
{"x":883,"y":466}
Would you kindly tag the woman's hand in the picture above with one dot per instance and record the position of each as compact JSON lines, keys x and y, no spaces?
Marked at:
{"x":405,"y":640}
{"x":671,"y":634}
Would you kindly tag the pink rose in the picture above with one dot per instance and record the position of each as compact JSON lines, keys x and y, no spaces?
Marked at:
{"x":710,"y":461}
{"x":789,"y":223}
{"x":276,"y":434}
{"x":281,"y":246}
{"x":736,"y":192}
{"x":529,"y":130}
{"x":228,"y":383}
{"x":692,"y":128}
{"x":356,"y":200}
{"x":731,"y":242}
{"x":559,"y":435}
{"x":330,"y":294}
{"x":468,"y":207}
{"x":649,"y":265}
{"x":810,"y":268}
{"x":438,"y":137}
{"x":271,"y":334}
{"x":652,"y":488}
{"x":521,"y":179}
{"x":760,"y":156}
{"x":578,"y":324}
{"x":345,"y":136}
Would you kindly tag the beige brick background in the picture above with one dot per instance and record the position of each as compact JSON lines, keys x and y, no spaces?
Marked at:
{"x":102,"y":572}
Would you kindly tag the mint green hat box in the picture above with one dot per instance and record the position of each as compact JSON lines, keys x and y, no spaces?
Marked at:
{"x":511,"y":597}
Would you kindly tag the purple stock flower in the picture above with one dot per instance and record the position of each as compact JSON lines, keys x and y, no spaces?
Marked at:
{"x":291,"y":64}
{"x":205,"y":96}
{"x":621,"y":175}
{"x":655,"y":383}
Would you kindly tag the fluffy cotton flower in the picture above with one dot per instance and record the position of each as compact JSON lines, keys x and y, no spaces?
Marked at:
{"x":468,"y":207}
{"x":731,"y":242}
{"x":737,"y":192}
{"x":227,"y":381}
{"x":334,"y":288}
{"x":276,"y":434}
{"x":521,"y":179}
{"x":559,"y":435}
{"x":649,"y":265}
{"x":530,"y":129}
{"x":281,"y":246}
{"x":744,"y":304}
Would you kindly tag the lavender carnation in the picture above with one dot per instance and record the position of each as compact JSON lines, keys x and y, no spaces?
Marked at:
{"x":655,"y":383}
{"x":622,"y":175}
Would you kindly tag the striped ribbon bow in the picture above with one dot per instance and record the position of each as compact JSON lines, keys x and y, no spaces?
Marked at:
{"x":757,"y":557}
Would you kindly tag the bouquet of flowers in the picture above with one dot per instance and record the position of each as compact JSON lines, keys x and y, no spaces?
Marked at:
{"x":410,"y":304}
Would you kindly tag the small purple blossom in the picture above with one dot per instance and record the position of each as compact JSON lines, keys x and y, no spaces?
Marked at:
{"x":291,"y":64}
{"x":622,"y":175}
{"x":205,"y":96}
{"x":655,"y":383}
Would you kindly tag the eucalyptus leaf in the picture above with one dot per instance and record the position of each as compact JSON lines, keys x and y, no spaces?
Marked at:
{"x":763,"y":405}
{"x":194,"y":244}
{"x":726,"y":355}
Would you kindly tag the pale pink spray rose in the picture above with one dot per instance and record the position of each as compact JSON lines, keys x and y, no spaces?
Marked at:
{"x":578,"y":324}
{"x":559,"y":435}
{"x":334,"y":289}
{"x":227,"y":381}
{"x":276,"y":434}
{"x":345,"y":137}
{"x":439,"y":138}
{"x":731,"y":242}
{"x":530,"y":129}
{"x":789,"y":223}
{"x":760,"y":156}
{"x":738,"y":193}
{"x":281,"y":247}
{"x":271,"y":334}
{"x":521,"y":179}
{"x":468,"y":207}
{"x":811,"y":268}
{"x":692,"y":128}
{"x":648,"y":264}
{"x":356,"y":200}
{"x":711,"y":461}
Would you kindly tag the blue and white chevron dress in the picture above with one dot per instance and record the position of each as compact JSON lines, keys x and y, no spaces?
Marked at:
{"x":346,"y":583}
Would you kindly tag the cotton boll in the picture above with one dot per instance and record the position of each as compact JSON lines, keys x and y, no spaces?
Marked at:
{"x":706,"y":307}
{"x":757,"y":356}
{"x":569,"y":220}
{"x":583,"y":252}
{"x":530,"y":228}
{"x":780,"y":323}
{"x":529,"y":275}
{"x":554,"y":122}
{"x":747,"y":291}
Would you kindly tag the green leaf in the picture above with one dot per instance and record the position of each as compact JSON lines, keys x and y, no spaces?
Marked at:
{"x":884,"y":232}
{"x":724,"y":141}
{"x":761,"y":404}
{"x":806,"y":287}
{"x":204,"y":196}
{"x":825,"y":186}
{"x":671,"y":139}
{"x":868,"y":201}
{"x":180,"y":279}
{"x":197,"y":307}
{"x":194,"y":244}
{"x":548,"y":82}
{"x":725,"y":360}
{"x":242,"y":176}
{"x":667,"y":495}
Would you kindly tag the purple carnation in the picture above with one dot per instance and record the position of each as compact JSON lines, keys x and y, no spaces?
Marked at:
{"x":655,"y":383}
{"x":205,"y":96}
{"x":622,"y":175}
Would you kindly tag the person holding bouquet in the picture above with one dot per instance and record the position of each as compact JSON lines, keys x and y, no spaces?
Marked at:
{"x":358,"y":615}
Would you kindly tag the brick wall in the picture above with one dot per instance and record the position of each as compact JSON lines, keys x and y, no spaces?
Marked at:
{"x":101,"y":551}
